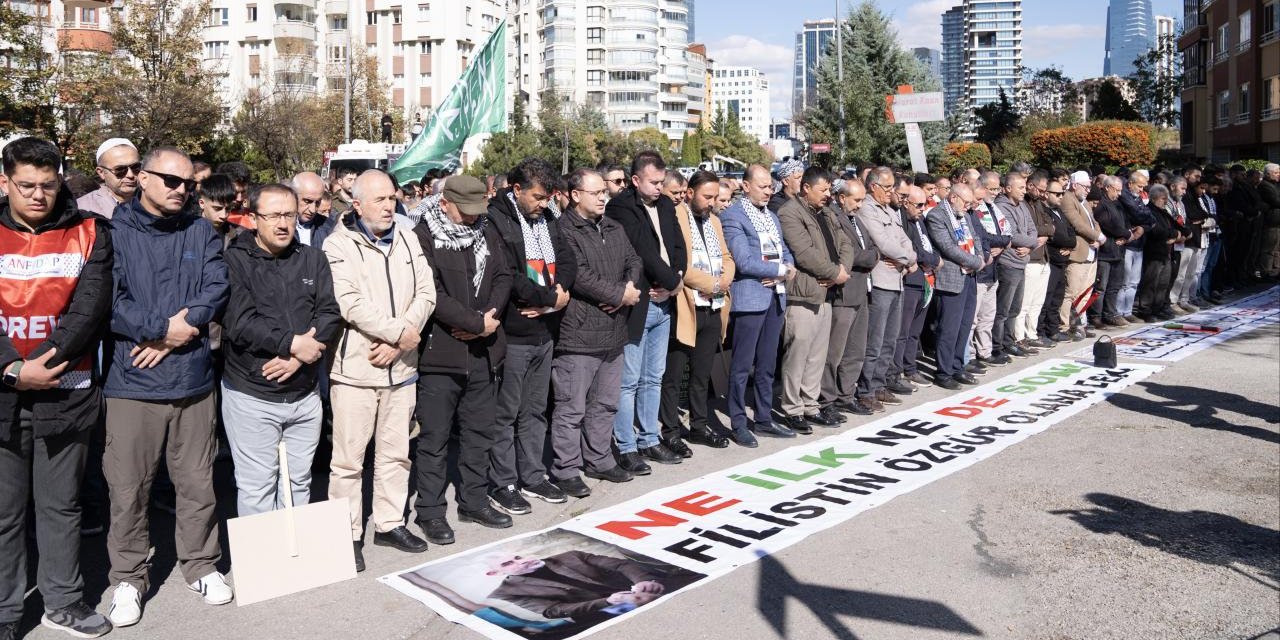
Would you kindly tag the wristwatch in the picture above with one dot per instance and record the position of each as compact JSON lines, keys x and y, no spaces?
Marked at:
{"x":11,"y":374}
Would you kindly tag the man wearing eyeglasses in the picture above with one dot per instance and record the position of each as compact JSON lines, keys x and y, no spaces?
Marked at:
{"x":171,"y":282}
{"x":55,"y":297}
{"x":117,"y":168}
{"x":898,"y":258}
{"x":904,"y":375}
{"x":280,"y":316}
{"x":964,"y":253}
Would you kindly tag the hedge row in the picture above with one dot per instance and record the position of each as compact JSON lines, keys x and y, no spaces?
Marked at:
{"x":1106,"y":142}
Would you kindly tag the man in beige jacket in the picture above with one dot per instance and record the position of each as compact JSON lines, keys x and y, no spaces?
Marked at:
{"x":386,"y":293}
{"x":1083,"y":268}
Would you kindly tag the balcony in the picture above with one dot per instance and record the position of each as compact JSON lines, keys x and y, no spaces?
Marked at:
{"x":84,"y":36}
{"x":1243,"y":46}
{"x":297,"y":63}
{"x":1268,"y":37}
{"x":1223,"y":121}
{"x":1221,"y":56}
{"x":299,"y":30}
{"x":1243,"y":118}
{"x":1270,"y":114}
{"x":337,"y":7}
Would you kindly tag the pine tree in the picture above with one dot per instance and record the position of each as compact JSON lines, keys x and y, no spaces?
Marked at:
{"x":1110,"y":104}
{"x":874,"y":66}
{"x":996,"y":120}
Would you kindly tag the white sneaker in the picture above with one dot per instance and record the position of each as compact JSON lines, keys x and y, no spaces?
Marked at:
{"x":126,"y":605}
{"x":214,"y":588}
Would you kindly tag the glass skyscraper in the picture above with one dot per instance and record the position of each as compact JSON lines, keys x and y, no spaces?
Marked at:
{"x":811,"y":45}
{"x":1131,"y":32}
{"x":993,"y":50}
{"x":953,"y":59}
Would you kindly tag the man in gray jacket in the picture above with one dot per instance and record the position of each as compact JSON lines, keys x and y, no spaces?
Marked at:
{"x":1013,"y":218}
{"x":848,"y":345}
{"x":964,"y":254}
{"x":884,"y":226}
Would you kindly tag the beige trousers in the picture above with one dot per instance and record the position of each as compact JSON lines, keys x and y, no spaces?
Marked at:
{"x":380,"y":414}
{"x":805,"y":339}
{"x":1080,"y":276}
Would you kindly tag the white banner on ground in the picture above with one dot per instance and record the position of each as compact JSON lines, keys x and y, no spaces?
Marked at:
{"x":595,"y":570}
{"x":1156,"y":342}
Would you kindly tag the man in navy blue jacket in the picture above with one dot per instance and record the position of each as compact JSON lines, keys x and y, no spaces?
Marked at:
{"x":170,"y":283}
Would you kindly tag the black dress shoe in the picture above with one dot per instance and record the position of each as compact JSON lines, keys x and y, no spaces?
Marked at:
{"x":743,"y":437}
{"x":824,"y":419}
{"x":401,"y":538}
{"x":834,"y":417}
{"x":613,"y":474}
{"x":775,"y":430}
{"x":485,"y":516}
{"x":1000,"y":360}
{"x":964,"y":377}
{"x":798,"y":424}
{"x":632,"y":463}
{"x":437,"y":531}
{"x":1042,"y":343}
{"x":946,"y":382}
{"x":1016,"y":351}
{"x":678,"y":447}
{"x":574,"y":487}
{"x":707,"y":437}
{"x":1060,"y":337}
{"x":918,"y":379}
{"x":358,"y":547}
{"x":856,"y":408}
{"x":660,"y":454}
{"x":975,"y":368}
{"x":900,"y":388}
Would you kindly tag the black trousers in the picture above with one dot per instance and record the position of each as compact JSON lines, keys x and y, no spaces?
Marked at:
{"x":47,"y":472}
{"x":1153,"y":289}
{"x":1050,"y":323}
{"x":1008,"y":303}
{"x":700,"y":358}
{"x":911,"y":326}
{"x":1110,"y":279}
{"x":469,"y":400}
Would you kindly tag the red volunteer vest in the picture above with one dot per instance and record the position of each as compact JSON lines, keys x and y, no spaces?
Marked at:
{"x":38,"y":274}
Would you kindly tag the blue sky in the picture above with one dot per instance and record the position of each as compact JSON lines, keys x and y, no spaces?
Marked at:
{"x":761,"y":33}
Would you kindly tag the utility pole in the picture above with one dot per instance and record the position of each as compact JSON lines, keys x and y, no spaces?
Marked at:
{"x":840,"y":75}
{"x":346,"y":115}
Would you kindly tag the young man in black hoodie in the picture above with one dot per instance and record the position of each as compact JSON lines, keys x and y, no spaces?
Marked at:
{"x":544,"y":269}
{"x":461,"y":355}
{"x":49,"y":399}
{"x":281,"y":312}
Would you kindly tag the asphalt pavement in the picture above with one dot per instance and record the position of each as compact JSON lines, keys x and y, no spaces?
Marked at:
{"x":1155,"y":514}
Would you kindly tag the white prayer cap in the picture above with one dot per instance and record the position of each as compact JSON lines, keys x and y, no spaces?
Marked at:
{"x":1080,"y":177}
{"x":111,"y":144}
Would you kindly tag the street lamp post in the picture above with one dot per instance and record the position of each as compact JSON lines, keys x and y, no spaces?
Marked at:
{"x":840,"y":75}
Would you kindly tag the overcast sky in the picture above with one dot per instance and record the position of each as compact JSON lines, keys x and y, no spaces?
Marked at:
{"x":761,"y":33}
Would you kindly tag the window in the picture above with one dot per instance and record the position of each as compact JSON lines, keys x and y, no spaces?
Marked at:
{"x":1243,"y":110}
{"x":396,"y":15}
{"x":595,"y":35}
{"x":595,"y":56}
{"x":1222,"y":43}
{"x":337,"y":53}
{"x":468,"y":16}
{"x":424,"y":7}
{"x":214,"y":50}
{"x":1270,"y":97}
{"x":219,"y":17}
{"x":371,"y":18}
{"x":1224,"y":107}
{"x":338,"y":23}
{"x":1246,"y":26}
{"x":595,"y":78}
{"x":251,"y":13}
{"x":424,"y":46}
{"x":1270,"y":20}
{"x":424,"y":78}
{"x":595,"y":14}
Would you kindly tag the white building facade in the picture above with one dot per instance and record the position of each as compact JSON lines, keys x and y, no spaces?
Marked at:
{"x":742,"y":93}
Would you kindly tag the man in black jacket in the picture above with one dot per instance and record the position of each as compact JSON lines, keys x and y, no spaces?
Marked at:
{"x":1111,"y":219}
{"x":461,"y":355}
{"x":1058,"y":250}
{"x":56,"y":286}
{"x":650,"y":221}
{"x":281,"y":312}
{"x":543,"y":274}
{"x":587,"y":372}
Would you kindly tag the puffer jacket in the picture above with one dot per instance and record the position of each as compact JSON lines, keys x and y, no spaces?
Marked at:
{"x":163,"y":265}
{"x":606,"y":262}
{"x":380,"y":295}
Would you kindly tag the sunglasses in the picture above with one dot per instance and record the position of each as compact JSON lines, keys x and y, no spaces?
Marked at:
{"x":121,"y":171}
{"x":1055,"y":193}
{"x":619,"y":181}
{"x":173,"y":182}
{"x":918,"y":205}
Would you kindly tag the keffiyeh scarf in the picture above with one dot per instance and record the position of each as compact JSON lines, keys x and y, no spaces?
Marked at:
{"x":770,"y":236}
{"x":446,"y":234}
{"x":706,"y":256}
{"x":539,"y":253}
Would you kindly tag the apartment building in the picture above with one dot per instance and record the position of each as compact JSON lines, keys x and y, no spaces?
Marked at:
{"x":742,"y":93}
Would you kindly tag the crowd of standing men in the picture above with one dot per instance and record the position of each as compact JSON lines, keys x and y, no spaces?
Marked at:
{"x":405,"y":315}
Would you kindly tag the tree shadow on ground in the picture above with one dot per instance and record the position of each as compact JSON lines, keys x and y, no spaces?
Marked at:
{"x":777,"y":586}
{"x":1199,"y":408}
{"x":1211,"y":538}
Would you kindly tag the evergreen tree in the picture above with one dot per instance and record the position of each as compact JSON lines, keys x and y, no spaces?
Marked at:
{"x":996,"y":120}
{"x":691,"y":148}
{"x":1110,"y":104}
{"x":874,"y":66}
{"x":1158,"y":91}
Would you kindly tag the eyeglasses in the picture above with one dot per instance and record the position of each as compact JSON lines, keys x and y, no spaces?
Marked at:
{"x":272,"y":218}
{"x":618,"y":181}
{"x":121,"y":171}
{"x":1055,"y":193}
{"x":29,"y":190}
{"x":173,"y":182}
{"x":918,"y":205}
{"x":593,"y":194}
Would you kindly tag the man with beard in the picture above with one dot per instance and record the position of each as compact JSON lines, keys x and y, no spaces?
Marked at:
{"x":117,"y":168}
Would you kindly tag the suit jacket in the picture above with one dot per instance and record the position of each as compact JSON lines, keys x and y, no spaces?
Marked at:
{"x":748,"y":293}
{"x":924,"y":259}
{"x":629,"y":211}
{"x":951,"y":273}
{"x":589,"y":580}
{"x":1114,"y":225}
{"x":1137,"y":215}
{"x":865,"y":258}
{"x":814,"y":260}
{"x":884,"y":225}
{"x":694,"y":280}
{"x":1080,"y":217}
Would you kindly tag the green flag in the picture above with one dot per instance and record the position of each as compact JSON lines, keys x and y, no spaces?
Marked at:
{"x":476,"y":104}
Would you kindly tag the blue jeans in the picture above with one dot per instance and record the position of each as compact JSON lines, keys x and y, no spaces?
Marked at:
{"x":1132,"y":276}
{"x":1211,"y":257}
{"x":644,"y":362}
